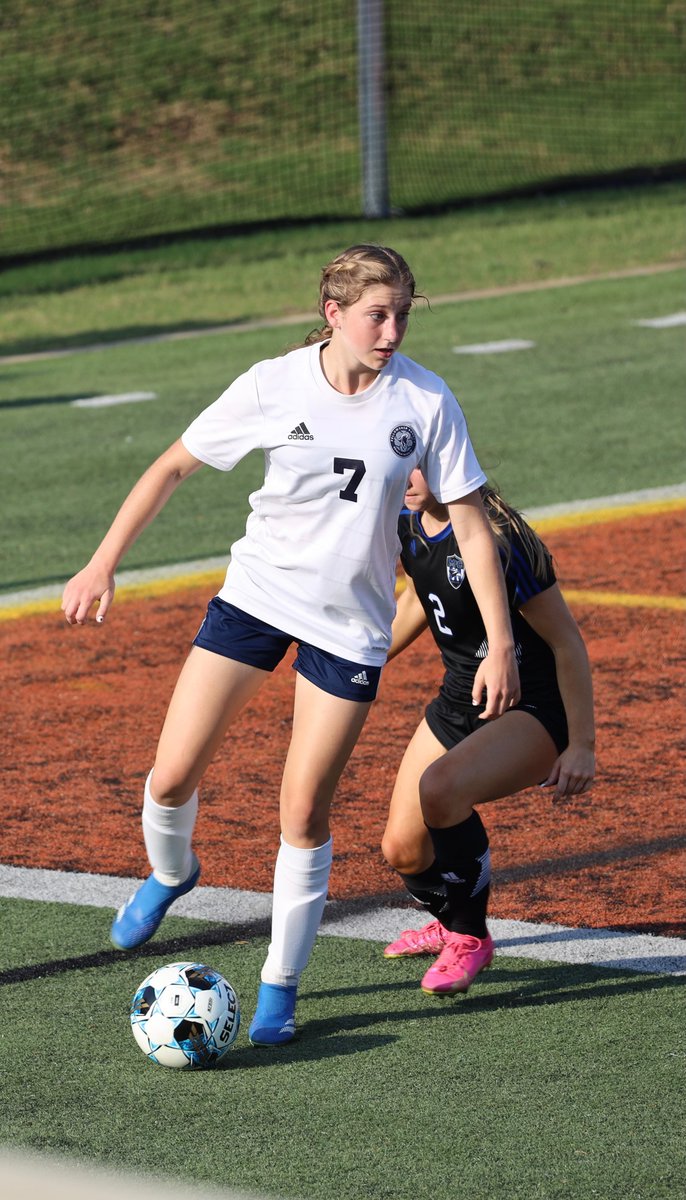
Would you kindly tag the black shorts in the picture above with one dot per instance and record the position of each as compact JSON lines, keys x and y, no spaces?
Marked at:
{"x":235,"y":634}
{"x":452,"y":724}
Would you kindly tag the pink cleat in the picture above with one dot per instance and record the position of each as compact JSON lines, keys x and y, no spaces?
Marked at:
{"x":429,"y":940}
{"x":458,"y":964}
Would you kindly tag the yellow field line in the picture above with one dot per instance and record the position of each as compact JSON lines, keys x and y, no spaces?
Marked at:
{"x":599,"y":516}
{"x":30,"y":608}
{"x":625,"y":599}
{"x":128,"y":591}
{"x":618,"y":599}
{"x":595,"y":516}
{"x":212,"y":580}
{"x":174,"y":583}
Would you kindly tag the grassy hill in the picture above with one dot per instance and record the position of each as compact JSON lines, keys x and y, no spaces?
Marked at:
{"x":121,"y":120}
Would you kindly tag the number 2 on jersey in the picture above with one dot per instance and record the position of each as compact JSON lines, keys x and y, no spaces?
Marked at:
{"x":439,"y":613}
{"x":340,"y":466}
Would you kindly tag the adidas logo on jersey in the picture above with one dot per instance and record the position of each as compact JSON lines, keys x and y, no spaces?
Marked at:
{"x":361,"y":678}
{"x":300,"y":434}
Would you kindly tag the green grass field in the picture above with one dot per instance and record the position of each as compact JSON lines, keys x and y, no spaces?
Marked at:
{"x":547,"y":1081}
{"x":118,"y":121}
{"x":592,"y":410}
{"x":193,"y":284}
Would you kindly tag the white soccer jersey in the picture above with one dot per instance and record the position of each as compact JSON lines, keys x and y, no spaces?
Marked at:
{"x":320,"y":547}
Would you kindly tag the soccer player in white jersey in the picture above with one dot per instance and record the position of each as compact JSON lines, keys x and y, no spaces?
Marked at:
{"x":342,"y":422}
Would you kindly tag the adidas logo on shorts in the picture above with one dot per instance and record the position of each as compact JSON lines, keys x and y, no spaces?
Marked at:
{"x":361,"y":678}
{"x":300,"y":434}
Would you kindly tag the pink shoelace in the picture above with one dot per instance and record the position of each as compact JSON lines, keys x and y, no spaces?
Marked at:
{"x":458,"y":947}
{"x":428,"y":936}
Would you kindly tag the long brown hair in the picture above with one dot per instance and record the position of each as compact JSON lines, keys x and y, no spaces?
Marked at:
{"x":349,"y":275}
{"x":504,"y":520}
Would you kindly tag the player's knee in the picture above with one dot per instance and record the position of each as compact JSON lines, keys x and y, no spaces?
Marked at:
{"x":442,"y":799}
{"x":170,"y":786}
{"x":389,"y":849}
{"x":399,"y":855}
{"x":305,"y":823}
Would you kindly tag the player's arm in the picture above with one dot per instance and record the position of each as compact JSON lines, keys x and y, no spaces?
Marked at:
{"x":548,"y":614}
{"x":409,"y":621}
{"x":498,"y":673}
{"x":144,"y":501}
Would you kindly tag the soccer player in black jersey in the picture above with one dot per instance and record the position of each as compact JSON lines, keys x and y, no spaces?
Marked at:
{"x":456,"y":759}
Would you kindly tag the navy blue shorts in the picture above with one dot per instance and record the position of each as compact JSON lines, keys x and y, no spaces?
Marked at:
{"x":235,"y":634}
{"x":452,"y":724}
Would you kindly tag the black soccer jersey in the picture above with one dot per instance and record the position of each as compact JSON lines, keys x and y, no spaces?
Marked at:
{"x":439,"y":577}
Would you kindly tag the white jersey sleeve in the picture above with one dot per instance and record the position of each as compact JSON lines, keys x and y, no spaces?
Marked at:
{"x":230,"y":427}
{"x":450,"y":465}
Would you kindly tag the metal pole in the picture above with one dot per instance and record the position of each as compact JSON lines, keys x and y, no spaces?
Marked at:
{"x":372,"y":108}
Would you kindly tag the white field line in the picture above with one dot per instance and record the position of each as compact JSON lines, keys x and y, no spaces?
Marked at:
{"x":514,"y":939}
{"x":217,"y":565}
{"x":568,"y":508}
{"x":670,"y":322}
{"x":490,"y":293}
{"x":31,"y":1174}
{"x":503,"y":347}
{"x":108,"y":401}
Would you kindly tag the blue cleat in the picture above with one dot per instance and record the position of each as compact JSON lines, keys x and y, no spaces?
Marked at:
{"x":138,"y":919}
{"x":274,"y":1020}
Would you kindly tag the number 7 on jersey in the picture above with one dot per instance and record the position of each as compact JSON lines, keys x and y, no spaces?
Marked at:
{"x":356,"y":465}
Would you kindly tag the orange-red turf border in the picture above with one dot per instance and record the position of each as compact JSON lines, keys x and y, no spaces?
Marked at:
{"x":83,"y":708}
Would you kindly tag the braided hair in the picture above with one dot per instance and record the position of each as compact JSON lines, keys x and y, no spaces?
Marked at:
{"x":348,"y":276}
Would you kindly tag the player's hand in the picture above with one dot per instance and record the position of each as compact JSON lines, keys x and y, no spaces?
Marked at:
{"x":93,"y":583}
{"x":572,"y":774}
{"x":498,"y":677}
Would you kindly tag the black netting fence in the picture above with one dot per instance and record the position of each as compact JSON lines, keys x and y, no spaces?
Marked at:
{"x":123,"y":119}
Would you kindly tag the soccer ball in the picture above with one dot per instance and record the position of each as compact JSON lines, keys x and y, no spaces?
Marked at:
{"x":185,"y":1015}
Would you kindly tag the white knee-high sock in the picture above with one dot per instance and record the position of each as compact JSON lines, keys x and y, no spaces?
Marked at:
{"x":167,"y":833}
{"x":301,"y":880}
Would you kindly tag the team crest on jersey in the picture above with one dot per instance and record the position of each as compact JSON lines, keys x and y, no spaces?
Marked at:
{"x":403,"y":440}
{"x":456,"y":572}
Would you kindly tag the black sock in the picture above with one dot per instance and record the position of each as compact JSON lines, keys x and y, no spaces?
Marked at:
{"x":464,"y":861}
{"x":428,"y":888}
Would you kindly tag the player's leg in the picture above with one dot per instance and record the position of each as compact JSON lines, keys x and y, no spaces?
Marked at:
{"x":501,"y":757}
{"x":407,"y":847}
{"x":209,"y":694}
{"x":325,"y":730}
